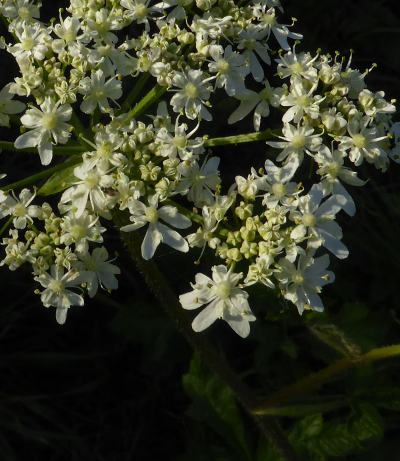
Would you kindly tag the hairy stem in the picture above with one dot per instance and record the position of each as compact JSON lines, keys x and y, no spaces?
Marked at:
{"x":57,"y":150}
{"x":241,"y":138}
{"x":310,"y":383}
{"x":161,"y":290}
{"x":43,"y":174}
{"x":134,"y":93}
{"x":150,"y":98}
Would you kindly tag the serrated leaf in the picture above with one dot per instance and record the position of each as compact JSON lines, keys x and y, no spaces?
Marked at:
{"x":58,"y":181}
{"x":331,"y":335}
{"x":206,"y":389}
{"x":335,"y":440}
{"x":369,"y":425}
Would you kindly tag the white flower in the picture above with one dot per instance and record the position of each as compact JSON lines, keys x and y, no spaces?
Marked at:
{"x":296,"y":141}
{"x":97,"y":91}
{"x":157,"y":232}
{"x":80,"y":230}
{"x":302,"y":284}
{"x":225,"y":301}
{"x":260,"y":101}
{"x":363,"y":143}
{"x":300,"y":102}
{"x":56,"y":291}
{"x":95,"y":270}
{"x":317,"y":221}
{"x":281,"y":32}
{"x":21,"y":208}
{"x":88,"y":189}
{"x":276,"y":183}
{"x":198,"y":183}
{"x":231,"y":69}
{"x":250,"y":40}
{"x":33,"y":42}
{"x":47,"y":123}
{"x":333,"y":171}
{"x":192,"y":94}
{"x":8,"y":106}
{"x":295,"y":65}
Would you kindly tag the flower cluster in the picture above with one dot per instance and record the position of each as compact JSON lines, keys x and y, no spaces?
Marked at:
{"x":272,"y":227}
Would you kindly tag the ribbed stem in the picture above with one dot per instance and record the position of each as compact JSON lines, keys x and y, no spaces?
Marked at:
{"x":43,"y":174}
{"x":241,"y":138}
{"x":310,"y":383}
{"x":57,"y":150}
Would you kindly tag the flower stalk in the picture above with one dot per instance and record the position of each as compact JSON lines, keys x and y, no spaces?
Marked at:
{"x":315,"y":380}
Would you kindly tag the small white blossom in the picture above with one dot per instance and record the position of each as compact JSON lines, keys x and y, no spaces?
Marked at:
{"x":225,"y":301}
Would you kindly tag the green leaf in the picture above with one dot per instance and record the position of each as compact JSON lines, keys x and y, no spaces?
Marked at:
{"x":213,"y":401}
{"x":331,"y":335}
{"x":369,"y":424}
{"x":58,"y":181}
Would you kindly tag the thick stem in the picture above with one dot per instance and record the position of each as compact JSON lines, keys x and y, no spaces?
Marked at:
{"x":161,"y":290}
{"x":134,"y":93}
{"x":150,"y":98}
{"x":57,"y":150}
{"x":241,"y":138}
{"x":310,"y":383}
{"x":43,"y":174}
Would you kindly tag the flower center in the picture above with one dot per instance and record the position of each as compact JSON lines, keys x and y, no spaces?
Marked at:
{"x":27,"y":43}
{"x":279,"y":190}
{"x":334,"y":169}
{"x":265,"y":94}
{"x":69,"y":36}
{"x":297,"y":67}
{"x":57,"y":286}
{"x":19,"y":210}
{"x":151,"y":214}
{"x":224,"y":289}
{"x":24,"y":13}
{"x":99,"y":93}
{"x":179,"y":141}
{"x":49,"y":121}
{"x":104,"y":50}
{"x":250,"y":44}
{"x":303,"y":101}
{"x":91,"y":264}
{"x":298,"y":141}
{"x":269,"y":19}
{"x":77,"y":231}
{"x":191,"y":90}
{"x":223,"y":66}
{"x":359,"y":141}
{"x":309,"y":220}
{"x":92,"y":180}
{"x":141,"y":11}
{"x":105,"y":150}
{"x":298,"y":278}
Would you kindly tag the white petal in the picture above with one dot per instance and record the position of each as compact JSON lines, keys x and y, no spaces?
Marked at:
{"x":150,"y":242}
{"x":207,"y":316}
{"x":173,"y":239}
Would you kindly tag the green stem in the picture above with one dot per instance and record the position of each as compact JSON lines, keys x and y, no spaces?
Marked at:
{"x":6,"y":225}
{"x":160,"y":288}
{"x":43,"y":174}
{"x":241,"y":138}
{"x":57,"y":150}
{"x":150,"y":98}
{"x":79,"y":130}
{"x":317,"y":379}
{"x":134,"y":93}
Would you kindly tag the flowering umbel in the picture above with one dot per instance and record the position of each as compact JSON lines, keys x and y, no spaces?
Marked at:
{"x":155,"y":165}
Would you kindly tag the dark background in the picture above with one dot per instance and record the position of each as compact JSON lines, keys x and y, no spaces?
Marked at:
{"x":108,"y":384}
